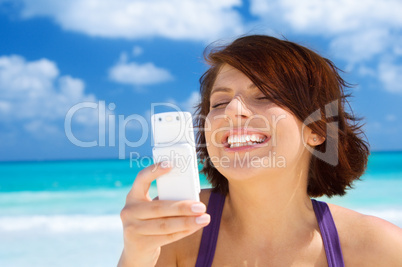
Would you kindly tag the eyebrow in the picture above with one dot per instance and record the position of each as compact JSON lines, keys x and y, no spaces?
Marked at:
{"x":227,"y":89}
{"x":220,"y":89}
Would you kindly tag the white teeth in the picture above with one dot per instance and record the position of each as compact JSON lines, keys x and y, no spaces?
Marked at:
{"x":244,"y":140}
{"x":242,"y":144}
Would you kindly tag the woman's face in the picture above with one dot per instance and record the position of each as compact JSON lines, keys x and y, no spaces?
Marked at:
{"x":247,"y":135}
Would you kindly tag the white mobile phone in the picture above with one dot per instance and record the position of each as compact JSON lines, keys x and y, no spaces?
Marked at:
{"x":173,"y":136}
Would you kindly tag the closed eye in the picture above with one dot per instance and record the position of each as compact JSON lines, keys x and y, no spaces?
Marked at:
{"x":219,"y":104}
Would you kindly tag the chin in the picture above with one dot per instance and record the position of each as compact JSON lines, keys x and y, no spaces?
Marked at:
{"x":238,"y":173}
{"x":240,"y":167}
{"x":248,"y":165}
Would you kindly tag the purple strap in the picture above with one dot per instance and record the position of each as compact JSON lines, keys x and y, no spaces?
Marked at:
{"x":210,"y":233}
{"x":329,"y":234}
{"x":325,"y":221}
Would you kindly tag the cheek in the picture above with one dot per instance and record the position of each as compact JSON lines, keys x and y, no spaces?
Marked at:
{"x":212,"y":149}
{"x":210,"y":134}
{"x":288,"y":135}
{"x":208,"y":129}
{"x":290,"y":138}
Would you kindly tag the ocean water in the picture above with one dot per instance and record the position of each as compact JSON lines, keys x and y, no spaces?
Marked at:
{"x":66,"y":213}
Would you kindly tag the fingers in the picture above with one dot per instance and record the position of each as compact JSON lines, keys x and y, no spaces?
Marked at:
{"x":147,"y":235}
{"x":157,"y":223}
{"x":143,"y":243}
{"x":148,"y":225}
{"x":172,"y":225}
{"x":167,"y":208}
{"x":143,"y":181}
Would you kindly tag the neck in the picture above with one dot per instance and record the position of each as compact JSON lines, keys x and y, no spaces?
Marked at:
{"x":276,"y":206}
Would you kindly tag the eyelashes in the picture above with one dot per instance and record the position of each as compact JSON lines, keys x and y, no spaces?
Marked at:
{"x":217,"y":105}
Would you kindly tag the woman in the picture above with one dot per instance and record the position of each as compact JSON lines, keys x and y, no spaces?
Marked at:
{"x":273,"y":132}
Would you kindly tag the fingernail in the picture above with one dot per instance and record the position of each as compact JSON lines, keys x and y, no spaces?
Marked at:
{"x":198,"y":208}
{"x":203,"y":219}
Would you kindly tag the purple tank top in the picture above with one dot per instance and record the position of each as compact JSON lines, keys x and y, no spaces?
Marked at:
{"x":324,"y":218}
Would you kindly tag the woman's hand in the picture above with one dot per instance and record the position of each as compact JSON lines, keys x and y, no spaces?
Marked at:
{"x":148,"y":225}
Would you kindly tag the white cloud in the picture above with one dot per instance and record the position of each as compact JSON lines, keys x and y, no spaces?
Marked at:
{"x":391,"y":76}
{"x":360,"y":46}
{"x":366,"y":71}
{"x":358,"y":30}
{"x":20,"y":79}
{"x":174,"y":19}
{"x":41,"y":128}
{"x":331,"y":17}
{"x":5,"y":107}
{"x":360,"y":33}
{"x":188,"y":104}
{"x":34,"y":92}
{"x":138,"y":74}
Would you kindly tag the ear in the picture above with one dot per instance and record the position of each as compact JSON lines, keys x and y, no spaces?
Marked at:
{"x":315,"y":139}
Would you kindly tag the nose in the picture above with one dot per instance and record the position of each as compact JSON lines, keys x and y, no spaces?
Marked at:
{"x":237,"y":109}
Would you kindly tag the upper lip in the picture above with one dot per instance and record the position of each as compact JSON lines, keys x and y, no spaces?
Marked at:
{"x":239,"y":132}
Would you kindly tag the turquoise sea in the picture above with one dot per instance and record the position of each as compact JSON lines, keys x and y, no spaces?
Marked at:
{"x":66,"y":213}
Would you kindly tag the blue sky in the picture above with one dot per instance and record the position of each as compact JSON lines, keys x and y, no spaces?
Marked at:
{"x":124,"y":55}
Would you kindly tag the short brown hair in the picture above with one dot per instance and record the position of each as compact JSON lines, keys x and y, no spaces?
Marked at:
{"x":302,"y":81}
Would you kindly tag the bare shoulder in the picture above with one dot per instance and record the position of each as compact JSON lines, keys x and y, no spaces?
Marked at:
{"x":367,"y":240}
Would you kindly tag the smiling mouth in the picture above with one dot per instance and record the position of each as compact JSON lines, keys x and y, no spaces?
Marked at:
{"x":243,"y":140}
